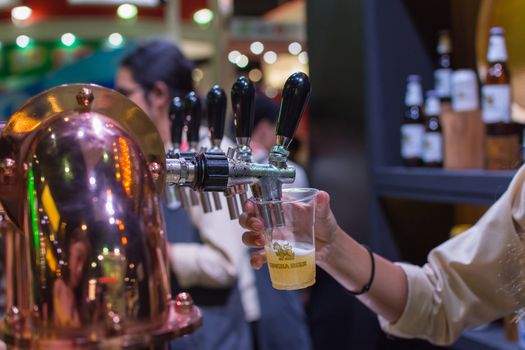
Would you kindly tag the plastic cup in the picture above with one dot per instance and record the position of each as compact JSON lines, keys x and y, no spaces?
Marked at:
{"x":290,"y":242}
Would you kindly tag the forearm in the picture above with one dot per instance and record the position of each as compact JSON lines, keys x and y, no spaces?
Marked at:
{"x":349,"y":263}
{"x":197,"y":264}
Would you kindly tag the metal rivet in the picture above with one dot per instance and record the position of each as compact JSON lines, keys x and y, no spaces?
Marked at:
{"x":184,"y":303}
{"x":155,"y":170}
{"x":85,"y":97}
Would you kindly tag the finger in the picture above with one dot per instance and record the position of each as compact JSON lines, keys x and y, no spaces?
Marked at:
{"x":243,"y":220}
{"x":323,"y":205}
{"x":249,"y":206}
{"x":253,"y":239}
{"x":258,"y":259}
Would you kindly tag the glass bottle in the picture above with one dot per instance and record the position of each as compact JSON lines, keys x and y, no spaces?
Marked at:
{"x":443,"y":72}
{"x":413,"y":124}
{"x":496,"y":105}
{"x":433,"y":138}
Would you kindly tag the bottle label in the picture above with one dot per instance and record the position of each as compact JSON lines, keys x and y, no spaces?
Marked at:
{"x":495,"y":103}
{"x":442,"y":82}
{"x":412,"y":140}
{"x":433,"y":147}
{"x":414,"y":94}
{"x":465,"y":93}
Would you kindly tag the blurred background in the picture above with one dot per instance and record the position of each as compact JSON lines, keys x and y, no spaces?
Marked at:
{"x":358,"y":54}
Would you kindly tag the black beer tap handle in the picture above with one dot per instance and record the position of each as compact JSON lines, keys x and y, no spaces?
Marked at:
{"x":177,"y":117}
{"x":216,"y":106}
{"x":295,"y":95}
{"x":243,"y":103}
{"x":193,"y":111}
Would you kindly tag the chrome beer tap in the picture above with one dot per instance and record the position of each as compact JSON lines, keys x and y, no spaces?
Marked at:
{"x":243,"y":103}
{"x":218,"y":172}
{"x":177,"y":117}
{"x":193,"y":110}
{"x":216,"y":106}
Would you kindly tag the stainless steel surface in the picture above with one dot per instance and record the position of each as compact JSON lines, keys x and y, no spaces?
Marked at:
{"x":181,"y":194}
{"x":194,"y":198}
{"x":86,"y":261}
{"x":217,"y":200}
{"x":231,"y":201}
{"x":205,"y":201}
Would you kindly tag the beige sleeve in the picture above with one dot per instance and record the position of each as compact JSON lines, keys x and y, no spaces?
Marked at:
{"x":471,"y":279}
{"x":214,"y":262}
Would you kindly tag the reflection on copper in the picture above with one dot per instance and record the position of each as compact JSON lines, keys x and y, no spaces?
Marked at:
{"x":125,"y":165}
{"x":54,"y":104}
{"x":21,"y":122}
{"x":86,"y":261}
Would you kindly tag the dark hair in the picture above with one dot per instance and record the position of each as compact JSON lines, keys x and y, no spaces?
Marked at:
{"x":265,"y":109}
{"x":160,"y":60}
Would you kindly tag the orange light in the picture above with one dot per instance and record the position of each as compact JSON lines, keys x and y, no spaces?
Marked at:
{"x":125,"y":165}
{"x":124,"y":240}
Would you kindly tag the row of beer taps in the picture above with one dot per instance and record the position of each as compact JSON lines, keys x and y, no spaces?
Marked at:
{"x":196,"y":172}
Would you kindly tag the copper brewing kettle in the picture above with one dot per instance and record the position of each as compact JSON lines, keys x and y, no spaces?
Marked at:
{"x":81,"y":170}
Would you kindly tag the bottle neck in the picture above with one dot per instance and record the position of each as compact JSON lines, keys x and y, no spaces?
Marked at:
{"x":432,"y":106}
{"x":414,"y":94}
{"x":497,"y":51}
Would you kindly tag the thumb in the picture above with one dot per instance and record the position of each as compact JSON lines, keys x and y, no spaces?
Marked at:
{"x":323,"y":210}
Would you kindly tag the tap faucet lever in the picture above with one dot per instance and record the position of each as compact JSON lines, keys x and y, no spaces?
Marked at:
{"x":193,"y":111}
{"x":295,"y":95}
{"x":243,"y":103}
{"x":216,"y":106}
{"x":177,"y":117}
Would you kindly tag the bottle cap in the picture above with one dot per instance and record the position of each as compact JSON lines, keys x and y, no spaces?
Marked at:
{"x":413,"y":78}
{"x":497,"y":31}
{"x":465,"y":94}
{"x":444,"y":43}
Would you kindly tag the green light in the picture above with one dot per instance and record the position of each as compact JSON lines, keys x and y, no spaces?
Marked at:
{"x":203,"y":16}
{"x":32,"y":208}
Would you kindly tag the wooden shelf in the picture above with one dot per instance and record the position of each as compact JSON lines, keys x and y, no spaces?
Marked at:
{"x":441,"y":185}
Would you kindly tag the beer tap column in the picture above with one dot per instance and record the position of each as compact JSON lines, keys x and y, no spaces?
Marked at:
{"x":216,"y":106}
{"x":243,"y":103}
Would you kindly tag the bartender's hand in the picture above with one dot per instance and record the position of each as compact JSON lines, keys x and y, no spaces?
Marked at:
{"x":325,"y":229}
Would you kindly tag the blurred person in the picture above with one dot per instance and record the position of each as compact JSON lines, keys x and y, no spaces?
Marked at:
{"x":469,"y":280}
{"x":205,"y":255}
{"x":68,"y":289}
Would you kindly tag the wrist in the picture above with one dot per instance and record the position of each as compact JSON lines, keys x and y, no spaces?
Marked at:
{"x":328,"y":251}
